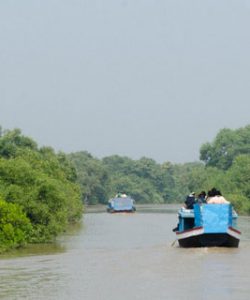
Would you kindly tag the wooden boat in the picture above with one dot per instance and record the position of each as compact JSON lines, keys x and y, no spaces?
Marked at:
{"x":121,"y":204}
{"x":208,"y":225}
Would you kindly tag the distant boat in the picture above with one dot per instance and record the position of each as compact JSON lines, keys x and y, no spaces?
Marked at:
{"x":122,"y":203}
{"x":208,"y":225}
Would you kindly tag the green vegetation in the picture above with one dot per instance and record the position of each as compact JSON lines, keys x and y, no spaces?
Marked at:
{"x":42,"y":192}
{"x":15,"y":227}
{"x":38,"y":189}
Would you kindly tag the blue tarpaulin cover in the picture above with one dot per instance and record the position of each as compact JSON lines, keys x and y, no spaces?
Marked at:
{"x":213,"y":217}
{"x":122,"y":203}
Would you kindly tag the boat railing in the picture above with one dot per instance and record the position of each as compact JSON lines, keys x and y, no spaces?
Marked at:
{"x":186,"y":213}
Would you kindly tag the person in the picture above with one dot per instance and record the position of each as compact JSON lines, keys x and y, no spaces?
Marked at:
{"x":189,"y":204}
{"x":190,"y":201}
{"x":215,"y":197}
{"x":202,"y":197}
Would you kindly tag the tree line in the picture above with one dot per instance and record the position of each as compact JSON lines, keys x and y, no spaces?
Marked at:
{"x":42,"y":192}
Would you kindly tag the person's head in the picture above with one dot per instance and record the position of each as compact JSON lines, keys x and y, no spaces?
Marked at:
{"x":215,"y":192}
{"x":202,"y":195}
{"x":210,"y":193}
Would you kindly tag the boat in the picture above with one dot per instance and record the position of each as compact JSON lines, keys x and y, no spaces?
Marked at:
{"x":121,"y":203}
{"x":208,"y":225}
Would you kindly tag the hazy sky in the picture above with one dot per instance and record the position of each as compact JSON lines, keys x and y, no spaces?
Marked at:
{"x":154,"y":78}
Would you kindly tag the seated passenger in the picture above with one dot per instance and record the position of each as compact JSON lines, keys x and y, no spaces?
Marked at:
{"x":190,"y":201}
{"x":202,"y":198}
{"x":215,"y":197}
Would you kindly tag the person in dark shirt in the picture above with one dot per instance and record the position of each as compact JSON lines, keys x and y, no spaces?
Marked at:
{"x":190,"y":201}
{"x":189,"y":204}
{"x":202,"y":198}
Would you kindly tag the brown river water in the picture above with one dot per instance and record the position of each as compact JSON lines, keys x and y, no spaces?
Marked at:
{"x":127,"y":256}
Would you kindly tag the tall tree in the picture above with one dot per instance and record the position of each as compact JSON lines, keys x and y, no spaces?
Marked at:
{"x":227,"y":145}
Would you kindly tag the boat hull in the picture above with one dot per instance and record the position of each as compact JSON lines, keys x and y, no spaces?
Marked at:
{"x":110,"y":210}
{"x":198,"y":238}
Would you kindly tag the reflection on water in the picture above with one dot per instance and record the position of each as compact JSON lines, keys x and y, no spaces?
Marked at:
{"x":36,"y":249}
{"x":127,"y":256}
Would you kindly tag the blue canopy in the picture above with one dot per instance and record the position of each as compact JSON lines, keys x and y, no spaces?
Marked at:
{"x":120,"y":203}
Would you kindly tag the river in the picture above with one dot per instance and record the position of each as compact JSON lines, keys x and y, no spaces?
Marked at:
{"x":127,"y":256}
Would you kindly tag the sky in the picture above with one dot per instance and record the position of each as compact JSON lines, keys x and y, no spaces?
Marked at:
{"x":136,"y":78}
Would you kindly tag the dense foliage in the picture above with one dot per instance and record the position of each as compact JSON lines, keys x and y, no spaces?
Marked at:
{"x":15,"y":227}
{"x":92,"y":177}
{"x":38,"y":188}
{"x":144,"y":179}
{"x":227,"y":145}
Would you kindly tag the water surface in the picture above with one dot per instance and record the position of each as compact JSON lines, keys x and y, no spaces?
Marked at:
{"x":127,"y":256}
